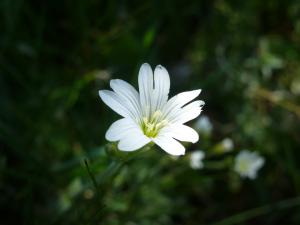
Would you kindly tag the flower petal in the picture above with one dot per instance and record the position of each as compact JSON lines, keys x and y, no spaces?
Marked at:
{"x":133,"y":141}
{"x":181,"y":133}
{"x":187,"y":113}
{"x":111,"y":99}
{"x":180,"y":100}
{"x":127,"y":94}
{"x":161,"y":88}
{"x":121,"y":128}
{"x":169,"y":145}
{"x":146,"y":88}
{"x":185,"y":97}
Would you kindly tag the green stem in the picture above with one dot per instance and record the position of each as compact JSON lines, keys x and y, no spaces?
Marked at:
{"x":91,"y":176}
{"x":111,"y":171}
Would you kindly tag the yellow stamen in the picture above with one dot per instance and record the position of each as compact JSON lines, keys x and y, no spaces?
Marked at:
{"x":152,"y":125}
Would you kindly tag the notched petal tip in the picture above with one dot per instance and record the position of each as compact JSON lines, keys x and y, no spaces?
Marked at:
{"x":160,"y":67}
{"x":145,"y":65}
{"x":197,"y":103}
{"x":161,"y":71}
{"x":202,"y":103}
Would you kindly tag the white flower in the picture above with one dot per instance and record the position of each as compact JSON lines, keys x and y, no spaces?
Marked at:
{"x":204,"y":125}
{"x":227,"y":144}
{"x":149,"y":116}
{"x":248,"y":163}
{"x":196,"y":159}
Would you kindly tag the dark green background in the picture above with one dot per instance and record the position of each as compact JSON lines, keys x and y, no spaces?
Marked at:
{"x":56,"y":55}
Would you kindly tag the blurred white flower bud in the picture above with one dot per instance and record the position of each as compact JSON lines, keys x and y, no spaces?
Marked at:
{"x":204,"y":125}
{"x":196,"y":159}
{"x":227,"y":144}
{"x":248,"y":163}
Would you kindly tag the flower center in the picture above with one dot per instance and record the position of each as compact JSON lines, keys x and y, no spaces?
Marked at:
{"x":244,"y":166}
{"x":151,"y":126}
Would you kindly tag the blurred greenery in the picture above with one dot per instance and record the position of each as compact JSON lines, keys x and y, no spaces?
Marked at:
{"x":57,"y":168}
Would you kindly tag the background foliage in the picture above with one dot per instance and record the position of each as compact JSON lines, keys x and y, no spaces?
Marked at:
{"x":56,"y":55}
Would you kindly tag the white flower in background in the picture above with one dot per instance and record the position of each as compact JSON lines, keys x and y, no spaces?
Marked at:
{"x":196,"y":159}
{"x":248,"y":163}
{"x":204,"y":125}
{"x":227,"y":144}
{"x":149,"y":116}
